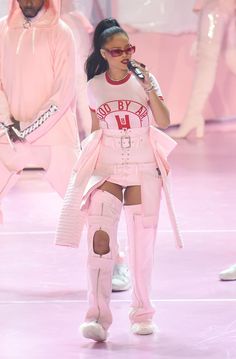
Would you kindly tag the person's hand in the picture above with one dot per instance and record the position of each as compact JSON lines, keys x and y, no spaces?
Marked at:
{"x":146,"y":82}
{"x":14,"y":134}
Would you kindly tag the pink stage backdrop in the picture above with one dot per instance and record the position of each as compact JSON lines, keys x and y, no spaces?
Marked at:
{"x":166,"y":51}
{"x":164,"y":41}
{"x":168,"y":58}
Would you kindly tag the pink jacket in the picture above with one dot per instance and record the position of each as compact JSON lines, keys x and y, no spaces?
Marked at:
{"x":37,"y":75}
{"x":72,"y":218}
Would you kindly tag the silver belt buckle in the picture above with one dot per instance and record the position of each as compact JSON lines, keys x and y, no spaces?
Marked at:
{"x":125,"y":142}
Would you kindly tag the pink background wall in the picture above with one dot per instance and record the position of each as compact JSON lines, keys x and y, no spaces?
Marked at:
{"x":168,"y":58}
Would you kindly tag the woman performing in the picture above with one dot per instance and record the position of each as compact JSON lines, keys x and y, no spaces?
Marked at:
{"x":122,"y":163}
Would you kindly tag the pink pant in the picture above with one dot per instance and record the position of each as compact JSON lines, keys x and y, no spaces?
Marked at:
{"x":126,"y":165}
{"x":57,"y":161}
{"x":213,"y":25}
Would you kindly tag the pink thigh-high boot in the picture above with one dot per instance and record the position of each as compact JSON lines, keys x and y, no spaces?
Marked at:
{"x":142,"y":235}
{"x":103,"y":215}
{"x":212,"y":27}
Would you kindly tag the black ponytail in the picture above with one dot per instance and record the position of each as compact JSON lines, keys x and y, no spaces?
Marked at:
{"x":95,"y":63}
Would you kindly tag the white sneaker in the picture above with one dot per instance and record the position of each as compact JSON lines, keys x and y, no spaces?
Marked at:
{"x":229,"y":273}
{"x":94,"y":331}
{"x":143,"y":328}
{"x":121,"y":278}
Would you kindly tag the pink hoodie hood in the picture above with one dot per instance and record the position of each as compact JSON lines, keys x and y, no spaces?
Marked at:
{"x":50,"y":17}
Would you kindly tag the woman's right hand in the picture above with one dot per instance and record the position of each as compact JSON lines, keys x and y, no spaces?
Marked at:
{"x":13,"y":134}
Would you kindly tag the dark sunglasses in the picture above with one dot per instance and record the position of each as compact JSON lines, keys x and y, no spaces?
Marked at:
{"x":118,"y":52}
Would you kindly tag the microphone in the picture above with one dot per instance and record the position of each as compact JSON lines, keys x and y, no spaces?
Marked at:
{"x":136,"y":71}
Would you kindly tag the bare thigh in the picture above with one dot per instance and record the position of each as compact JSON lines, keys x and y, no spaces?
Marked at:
{"x":132,"y":195}
{"x":113,"y":188}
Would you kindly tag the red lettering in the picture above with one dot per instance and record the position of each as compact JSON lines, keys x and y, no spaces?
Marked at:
{"x":120,"y":105}
{"x":103,"y":111}
{"x":127,"y":104}
{"x":107,"y":107}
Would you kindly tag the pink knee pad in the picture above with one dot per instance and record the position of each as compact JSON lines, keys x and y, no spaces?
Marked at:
{"x":103,"y":214}
{"x":141,"y":237}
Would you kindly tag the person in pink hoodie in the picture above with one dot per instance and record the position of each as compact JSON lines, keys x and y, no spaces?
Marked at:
{"x":37,"y":93}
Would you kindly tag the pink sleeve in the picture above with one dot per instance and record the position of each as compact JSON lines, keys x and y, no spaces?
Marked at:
{"x":5,"y":114}
{"x":90,"y":96}
{"x":63,"y":90}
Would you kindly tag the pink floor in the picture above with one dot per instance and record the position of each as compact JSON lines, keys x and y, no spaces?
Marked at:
{"x":43,"y":288}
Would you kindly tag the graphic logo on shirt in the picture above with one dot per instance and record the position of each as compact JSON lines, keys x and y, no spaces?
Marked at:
{"x":122,"y":114}
{"x":122,"y":122}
